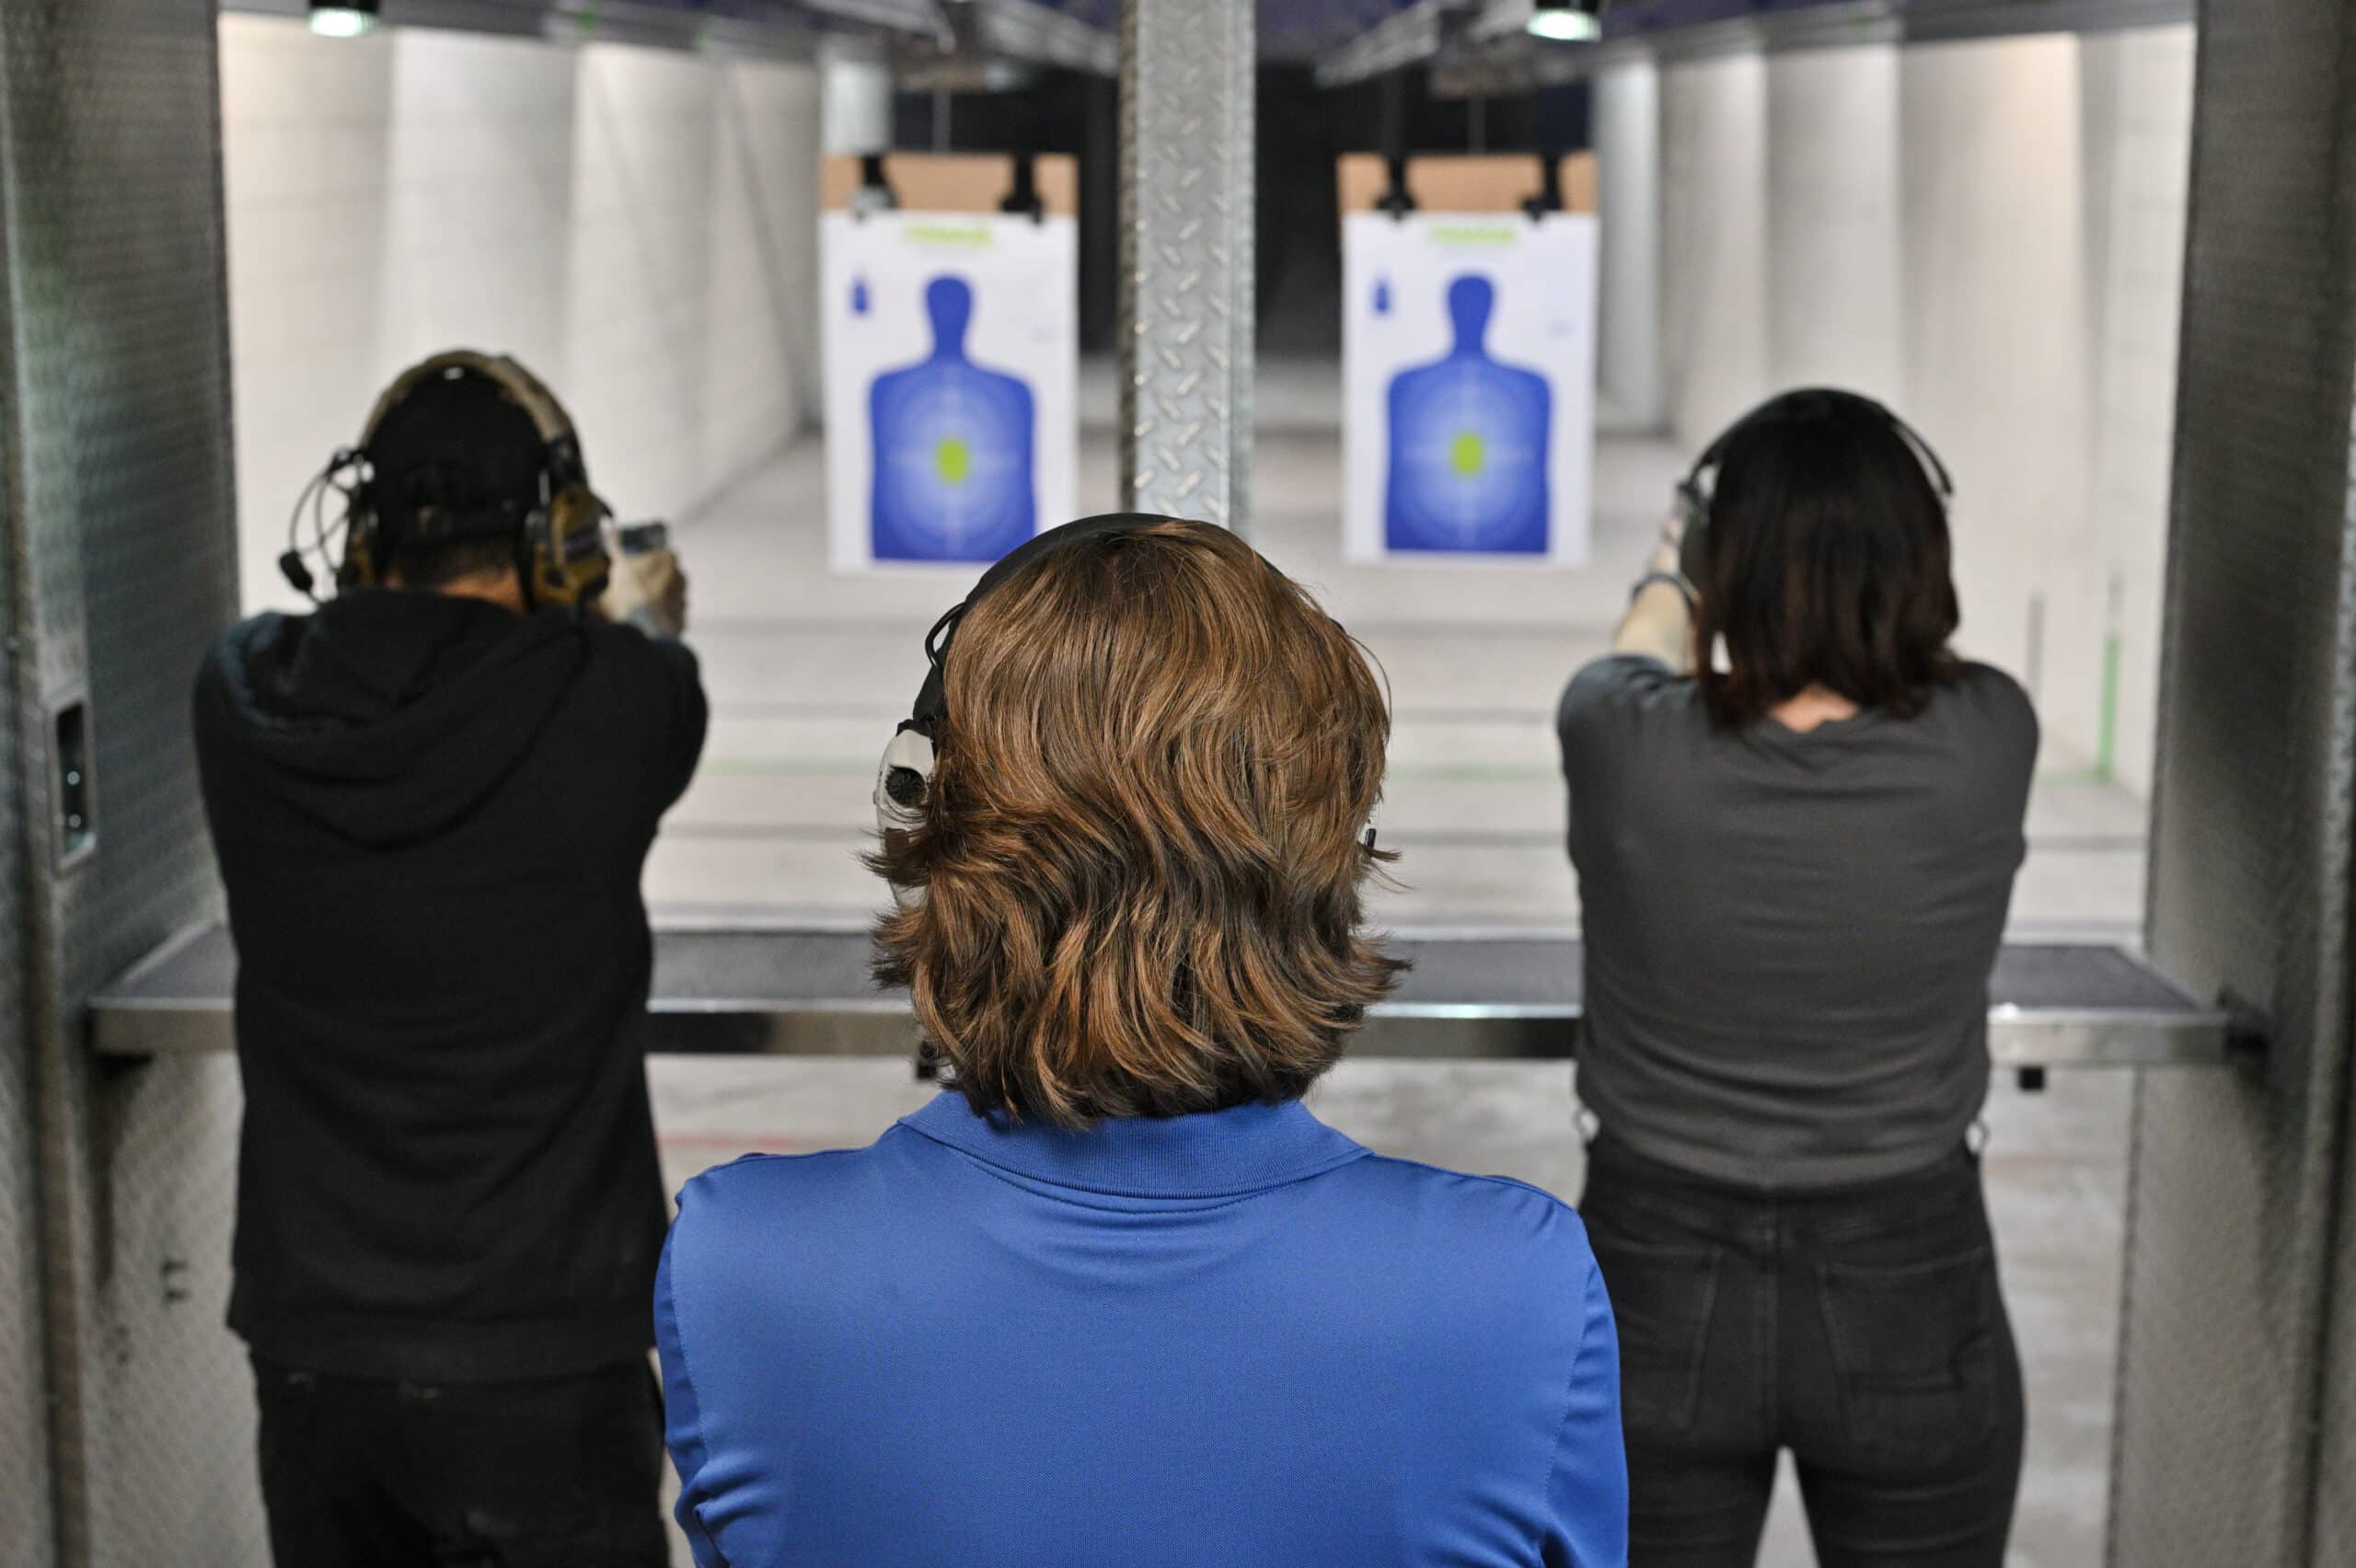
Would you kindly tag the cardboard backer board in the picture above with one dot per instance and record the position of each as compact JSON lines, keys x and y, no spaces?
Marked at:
{"x":1474,"y":182}
{"x":954,"y":182}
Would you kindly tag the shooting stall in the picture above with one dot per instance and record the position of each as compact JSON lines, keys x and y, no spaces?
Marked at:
{"x":122,"y":1399}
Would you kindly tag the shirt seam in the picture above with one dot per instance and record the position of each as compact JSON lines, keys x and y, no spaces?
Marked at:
{"x":1225,"y":1197}
{"x":1510,"y":1182}
{"x":1563,"y":1427}
{"x":687,"y":1381}
{"x":1341,"y":1158}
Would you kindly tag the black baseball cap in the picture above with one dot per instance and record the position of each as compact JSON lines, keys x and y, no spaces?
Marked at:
{"x":455,"y":458}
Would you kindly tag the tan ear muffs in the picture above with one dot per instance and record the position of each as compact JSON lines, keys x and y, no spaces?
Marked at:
{"x":566,"y":563}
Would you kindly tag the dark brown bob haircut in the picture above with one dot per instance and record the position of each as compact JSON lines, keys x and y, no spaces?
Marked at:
{"x":1827,"y":563}
{"x":1141,"y":859}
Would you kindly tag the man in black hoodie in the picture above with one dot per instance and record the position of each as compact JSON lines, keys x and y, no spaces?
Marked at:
{"x":431,"y":800}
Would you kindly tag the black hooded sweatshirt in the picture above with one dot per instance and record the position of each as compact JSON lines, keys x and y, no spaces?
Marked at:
{"x":431,"y":815}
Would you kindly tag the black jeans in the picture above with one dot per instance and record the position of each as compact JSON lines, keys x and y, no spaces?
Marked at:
{"x":356,"y":1473}
{"x":1862,"y":1329}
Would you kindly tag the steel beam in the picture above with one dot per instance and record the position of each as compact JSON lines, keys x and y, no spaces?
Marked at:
{"x":1417,"y":35}
{"x":1038,"y":35}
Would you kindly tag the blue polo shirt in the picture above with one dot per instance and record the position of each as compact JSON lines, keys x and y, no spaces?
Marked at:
{"x":1234,"y":1339}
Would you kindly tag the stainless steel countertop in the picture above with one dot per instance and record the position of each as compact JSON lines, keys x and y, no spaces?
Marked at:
{"x":800,"y":993}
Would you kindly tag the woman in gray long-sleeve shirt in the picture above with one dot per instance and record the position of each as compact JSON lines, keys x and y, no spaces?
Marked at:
{"x":1795,"y":865}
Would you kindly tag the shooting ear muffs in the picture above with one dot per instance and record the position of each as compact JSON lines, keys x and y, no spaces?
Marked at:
{"x":1694,"y":490}
{"x":904,"y":775}
{"x":560,"y":552}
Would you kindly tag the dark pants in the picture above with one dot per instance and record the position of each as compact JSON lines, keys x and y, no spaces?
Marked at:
{"x":1863,"y":1329}
{"x":561,"y":1470}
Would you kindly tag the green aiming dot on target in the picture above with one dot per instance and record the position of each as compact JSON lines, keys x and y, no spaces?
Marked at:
{"x":952,"y":460}
{"x":1467,"y":453}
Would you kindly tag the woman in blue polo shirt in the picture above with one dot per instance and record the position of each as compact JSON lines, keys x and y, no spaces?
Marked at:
{"x":1118,"y":1297}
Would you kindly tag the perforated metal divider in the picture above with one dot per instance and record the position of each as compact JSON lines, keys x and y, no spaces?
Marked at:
{"x":2231,"y":1185}
{"x":115,"y":398}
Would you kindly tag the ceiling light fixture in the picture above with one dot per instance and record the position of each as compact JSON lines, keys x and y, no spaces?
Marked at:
{"x":343,"y":18}
{"x":1567,"y":21}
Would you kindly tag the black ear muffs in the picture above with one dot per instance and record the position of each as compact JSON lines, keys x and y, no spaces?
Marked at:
{"x":1694,"y":490}
{"x":930,"y":710}
{"x":904,"y":776}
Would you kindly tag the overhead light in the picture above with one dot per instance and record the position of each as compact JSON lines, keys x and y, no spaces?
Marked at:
{"x":343,"y":18}
{"x":1567,"y":21}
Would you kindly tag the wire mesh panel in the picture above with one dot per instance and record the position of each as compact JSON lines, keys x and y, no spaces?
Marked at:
{"x":2230,"y":1190}
{"x":116,"y":400}
{"x":1186,"y":258}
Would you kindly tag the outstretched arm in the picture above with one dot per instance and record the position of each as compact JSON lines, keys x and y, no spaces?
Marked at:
{"x":1659,"y":622}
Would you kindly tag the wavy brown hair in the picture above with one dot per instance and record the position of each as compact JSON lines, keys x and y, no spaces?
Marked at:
{"x":1141,"y":859}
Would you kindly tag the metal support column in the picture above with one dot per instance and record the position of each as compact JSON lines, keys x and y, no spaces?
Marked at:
{"x":1186,"y":258}
{"x":2235,"y":1180}
{"x":26,"y":1480}
{"x":115,"y":508}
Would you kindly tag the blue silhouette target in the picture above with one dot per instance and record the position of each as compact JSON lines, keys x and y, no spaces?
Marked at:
{"x":1469,"y":445}
{"x":952,"y":477}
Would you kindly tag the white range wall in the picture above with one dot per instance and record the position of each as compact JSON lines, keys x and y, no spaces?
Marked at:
{"x":1835,"y":316}
{"x":1988,"y":236}
{"x":1714,"y":241}
{"x":637,"y":226}
{"x":2138,"y":91}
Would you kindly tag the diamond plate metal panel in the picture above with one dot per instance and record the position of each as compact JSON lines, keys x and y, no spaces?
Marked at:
{"x":177,"y":1481}
{"x":24,"y":1428}
{"x":2230,"y":1193}
{"x":1186,"y":258}
{"x":115,"y":400}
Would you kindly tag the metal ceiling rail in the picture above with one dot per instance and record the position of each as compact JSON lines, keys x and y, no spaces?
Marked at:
{"x":1484,"y":46}
{"x":761,"y":27}
{"x":1021,"y":31}
{"x":799,"y":993}
{"x":1422,"y":32}
{"x":975,"y":34}
{"x":1018,"y":30}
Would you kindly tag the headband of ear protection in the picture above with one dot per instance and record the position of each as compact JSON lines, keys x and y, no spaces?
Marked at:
{"x":906,"y":769}
{"x":931,"y":707}
{"x":560,"y":547}
{"x":1693,"y":494}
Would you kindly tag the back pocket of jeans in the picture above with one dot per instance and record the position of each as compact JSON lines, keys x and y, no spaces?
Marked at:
{"x":1661,"y":1302}
{"x":1914,"y":1350}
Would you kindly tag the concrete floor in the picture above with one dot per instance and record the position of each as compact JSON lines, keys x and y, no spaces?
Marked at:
{"x":808,"y":673}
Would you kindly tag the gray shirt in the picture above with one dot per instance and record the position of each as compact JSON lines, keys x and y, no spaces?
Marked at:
{"x":1789,"y":936}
